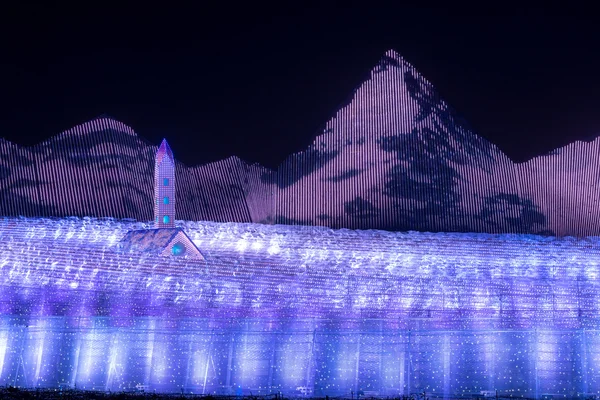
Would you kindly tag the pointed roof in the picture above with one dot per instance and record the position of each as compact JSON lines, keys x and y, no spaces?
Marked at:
{"x":164,"y":150}
{"x":158,"y":242}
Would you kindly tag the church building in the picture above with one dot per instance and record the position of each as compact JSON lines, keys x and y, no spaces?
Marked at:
{"x":165,"y":239}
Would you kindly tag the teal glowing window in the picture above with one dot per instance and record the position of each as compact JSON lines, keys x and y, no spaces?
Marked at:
{"x":178,"y":249}
{"x":166,"y":219}
{"x":166,"y":182}
{"x":166,"y":200}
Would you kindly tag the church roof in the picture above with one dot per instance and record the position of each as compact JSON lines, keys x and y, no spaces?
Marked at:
{"x":163,"y":241}
{"x":164,"y":150}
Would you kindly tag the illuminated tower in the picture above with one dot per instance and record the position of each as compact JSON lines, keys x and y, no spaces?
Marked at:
{"x":164,"y":187}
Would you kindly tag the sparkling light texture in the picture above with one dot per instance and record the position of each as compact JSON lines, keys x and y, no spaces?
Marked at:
{"x":164,"y":187}
{"x":298,"y":310}
{"x":395,"y":157}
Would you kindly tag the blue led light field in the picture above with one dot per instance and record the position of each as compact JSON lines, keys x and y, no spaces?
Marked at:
{"x":298,"y":310}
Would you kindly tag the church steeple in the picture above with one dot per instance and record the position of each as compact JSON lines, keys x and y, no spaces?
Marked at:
{"x":164,"y":187}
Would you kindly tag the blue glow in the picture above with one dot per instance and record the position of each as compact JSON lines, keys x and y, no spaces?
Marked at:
{"x":178,"y":249}
{"x":166,"y":219}
{"x":299,"y":310}
{"x":165,"y":200}
{"x":166,"y":182}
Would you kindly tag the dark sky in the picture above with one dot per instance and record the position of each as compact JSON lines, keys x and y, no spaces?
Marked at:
{"x":260,"y":83}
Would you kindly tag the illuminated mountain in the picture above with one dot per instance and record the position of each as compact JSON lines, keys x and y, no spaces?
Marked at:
{"x":396,"y":157}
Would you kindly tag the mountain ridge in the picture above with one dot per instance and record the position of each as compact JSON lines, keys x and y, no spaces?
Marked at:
{"x":395,"y":157}
{"x":390,"y":58}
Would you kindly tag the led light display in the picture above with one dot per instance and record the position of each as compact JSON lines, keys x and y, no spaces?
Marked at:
{"x":242,"y":305}
{"x":164,"y":171}
{"x":395,"y":157}
{"x":298,"y":310}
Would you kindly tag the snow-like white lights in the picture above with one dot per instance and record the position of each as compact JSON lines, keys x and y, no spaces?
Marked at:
{"x":278,"y":308}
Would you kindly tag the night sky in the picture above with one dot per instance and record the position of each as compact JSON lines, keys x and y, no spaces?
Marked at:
{"x":260,"y":83}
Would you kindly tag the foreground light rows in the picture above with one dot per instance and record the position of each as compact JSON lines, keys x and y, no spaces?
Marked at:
{"x":299,"y":310}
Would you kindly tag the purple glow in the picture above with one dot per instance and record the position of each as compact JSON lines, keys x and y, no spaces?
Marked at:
{"x":230,"y":308}
{"x":164,"y":187}
{"x":298,"y":310}
{"x":396,"y":157}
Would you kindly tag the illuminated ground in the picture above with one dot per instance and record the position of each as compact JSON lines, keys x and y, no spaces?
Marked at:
{"x":298,"y":310}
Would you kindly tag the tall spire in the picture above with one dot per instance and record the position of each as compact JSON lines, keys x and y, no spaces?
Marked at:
{"x":164,"y":187}
{"x":164,"y":150}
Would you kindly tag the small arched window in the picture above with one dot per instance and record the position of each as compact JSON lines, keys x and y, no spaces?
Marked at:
{"x":178,"y":249}
{"x":166,"y":200}
{"x":166,"y":219}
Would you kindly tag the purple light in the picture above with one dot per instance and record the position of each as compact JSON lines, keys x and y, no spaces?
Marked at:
{"x":164,"y":187}
{"x":239,"y":308}
{"x":329,"y":312}
{"x":396,"y":157}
